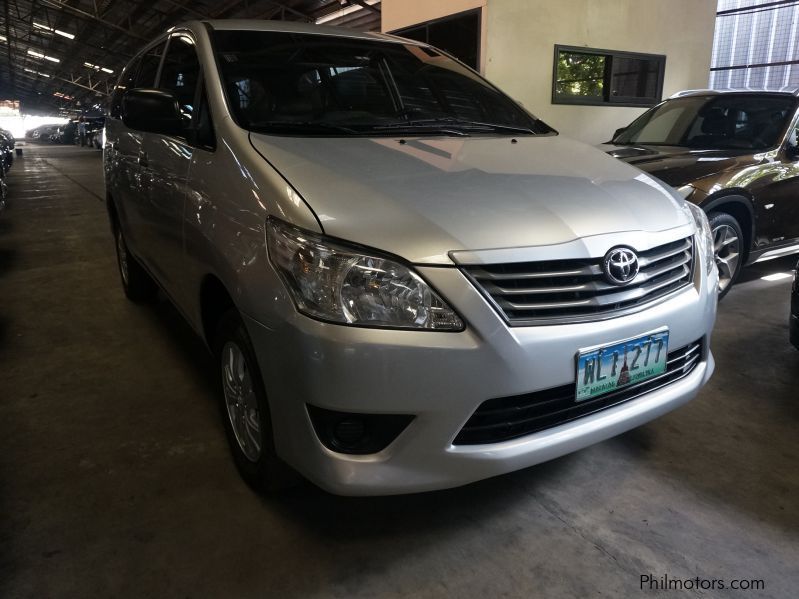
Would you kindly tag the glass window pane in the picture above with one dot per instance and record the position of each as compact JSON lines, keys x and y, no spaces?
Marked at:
{"x":580,"y":75}
{"x":149,"y":66}
{"x":634,"y":78}
{"x":181,"y":71}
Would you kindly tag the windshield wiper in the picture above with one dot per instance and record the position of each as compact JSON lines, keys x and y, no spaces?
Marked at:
{"x":460,"y":124}
{"x":271,"y":126}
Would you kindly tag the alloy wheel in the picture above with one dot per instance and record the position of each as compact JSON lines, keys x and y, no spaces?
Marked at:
{"x":727,"y":250}
{"x":241,"y":401}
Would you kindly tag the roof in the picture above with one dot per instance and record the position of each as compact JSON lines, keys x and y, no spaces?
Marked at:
{"x":785,"y":91}
{"x":296,"y":27}
{"x":67,"y":54}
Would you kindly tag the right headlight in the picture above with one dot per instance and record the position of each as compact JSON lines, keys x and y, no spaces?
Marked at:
{"x":330,"y":281}
{"x":704,"y":237}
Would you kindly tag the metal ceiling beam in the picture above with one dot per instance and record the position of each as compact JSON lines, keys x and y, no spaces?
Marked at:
{"x":364,"y":4}
{"x":62,"y":5}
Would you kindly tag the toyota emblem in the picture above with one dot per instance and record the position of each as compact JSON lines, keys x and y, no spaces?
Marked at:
{"x":620,"y":265}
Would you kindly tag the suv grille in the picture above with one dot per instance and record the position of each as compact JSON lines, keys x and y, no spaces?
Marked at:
{"x":507,"y":418}
{"x":575,"y":290}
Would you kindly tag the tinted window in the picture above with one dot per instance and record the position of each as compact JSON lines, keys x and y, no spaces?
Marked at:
{"x":743,"y":121}
{"x":180,"y":72}
{"x":149,"y":66}
{"x":282,"y":83}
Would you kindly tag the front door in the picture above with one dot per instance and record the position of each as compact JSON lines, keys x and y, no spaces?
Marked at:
{"x":165,"y":168}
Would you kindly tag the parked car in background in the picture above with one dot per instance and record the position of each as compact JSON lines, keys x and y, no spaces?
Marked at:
{"x":794,"y":320}
{"x":41,"y":133}
{"x":3,"y":190}
{"x":734,"y":154}
{"x":6,"y":150}
{"x":66,"y":133}
{"x":94,"y":132}
{"x":407,"y":281}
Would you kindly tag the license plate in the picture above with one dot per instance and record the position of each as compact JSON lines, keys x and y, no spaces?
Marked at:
{"x":604,"y":369}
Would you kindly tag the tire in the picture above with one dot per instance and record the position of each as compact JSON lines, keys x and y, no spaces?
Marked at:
{"x":728,"y":242}
{"x":243,"y":401}
{"x":137,"y":284}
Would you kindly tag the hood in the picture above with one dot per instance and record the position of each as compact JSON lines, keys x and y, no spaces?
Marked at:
{"x":678,"y":166}
{"x":421,"y":198}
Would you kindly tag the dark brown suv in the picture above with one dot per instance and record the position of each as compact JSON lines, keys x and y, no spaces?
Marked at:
{"x":735,"y":154}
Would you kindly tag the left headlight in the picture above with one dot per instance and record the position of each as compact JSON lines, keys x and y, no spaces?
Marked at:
{"x":333,"y":282}
{"x":704,"y":236}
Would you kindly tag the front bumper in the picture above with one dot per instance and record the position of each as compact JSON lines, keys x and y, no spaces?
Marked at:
{"x":441,"y":378}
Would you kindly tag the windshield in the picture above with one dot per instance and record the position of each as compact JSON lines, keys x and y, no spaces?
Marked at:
{"x":290,"y":83}
{"x":734,"y":121}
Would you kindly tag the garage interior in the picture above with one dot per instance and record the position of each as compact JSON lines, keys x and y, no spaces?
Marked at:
{"x":115,"y":477}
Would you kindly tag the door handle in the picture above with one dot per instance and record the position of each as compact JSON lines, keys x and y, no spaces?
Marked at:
{"x":143,"y":161}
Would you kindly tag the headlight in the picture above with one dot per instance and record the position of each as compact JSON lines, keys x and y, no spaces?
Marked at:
{"x":330,"y":281}
{"x":704,"y":236}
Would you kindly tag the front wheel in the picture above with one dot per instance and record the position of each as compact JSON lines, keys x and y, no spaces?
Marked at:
{"x":136,"y":283}
{"x":728,"y":248}
{"x":245,"y":409}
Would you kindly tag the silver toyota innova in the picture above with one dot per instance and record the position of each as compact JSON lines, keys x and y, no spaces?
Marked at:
{"x":408,"y":281}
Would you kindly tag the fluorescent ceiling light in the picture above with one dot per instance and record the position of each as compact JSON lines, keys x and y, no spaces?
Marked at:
{"x":37,"y":73}
{"x":44,"y":56}
{"x":98,"y":68}
{"x":53,"y":30}
{"x":344,"y":12}
{"x":3,"y":38}
{"x":777,"y":276}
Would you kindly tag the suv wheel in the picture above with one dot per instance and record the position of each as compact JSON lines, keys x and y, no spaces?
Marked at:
{"x":137,"y":284}
{"x":728,"y":248}
{"x":245,"y":409}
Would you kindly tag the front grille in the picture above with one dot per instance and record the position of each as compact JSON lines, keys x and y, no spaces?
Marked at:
{"x":508,"y":418}
{"x":557,"y":291}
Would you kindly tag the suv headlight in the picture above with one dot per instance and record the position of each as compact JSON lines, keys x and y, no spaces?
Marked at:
{"x":333,"y":282}
{"x":704,"y":236}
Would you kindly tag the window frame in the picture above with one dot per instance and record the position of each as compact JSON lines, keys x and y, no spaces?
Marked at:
{"x":607,"y":99}
{"x":426,"y":25}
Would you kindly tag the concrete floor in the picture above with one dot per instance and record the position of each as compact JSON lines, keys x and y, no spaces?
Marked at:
{"x":115,"y":479}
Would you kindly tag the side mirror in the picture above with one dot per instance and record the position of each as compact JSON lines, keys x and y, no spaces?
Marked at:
{"x":152,"y":110}
{"x":618,"y":132}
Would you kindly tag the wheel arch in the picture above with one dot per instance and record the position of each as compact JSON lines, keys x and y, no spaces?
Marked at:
{"x":215,"y":300}
{"x":740,"y":206}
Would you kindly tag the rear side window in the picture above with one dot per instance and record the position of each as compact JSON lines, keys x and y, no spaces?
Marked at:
{"x":149,"y":66}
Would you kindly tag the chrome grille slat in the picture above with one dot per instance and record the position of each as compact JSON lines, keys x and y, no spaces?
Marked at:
{"x":645,"y":260}
{"x":559,"y":291}
{"x":642,"y":278}
{"x":587,"y":271}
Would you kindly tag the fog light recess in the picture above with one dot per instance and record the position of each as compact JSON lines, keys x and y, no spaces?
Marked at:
{"x":347,"y":432}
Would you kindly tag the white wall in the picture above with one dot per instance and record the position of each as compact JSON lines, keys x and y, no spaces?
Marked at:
{"x":520,"y":35}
